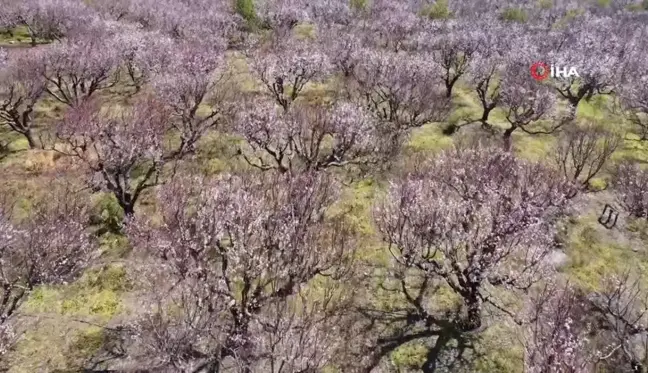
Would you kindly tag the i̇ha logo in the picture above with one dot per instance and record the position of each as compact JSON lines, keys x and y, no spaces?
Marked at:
{"x":541,"y":71}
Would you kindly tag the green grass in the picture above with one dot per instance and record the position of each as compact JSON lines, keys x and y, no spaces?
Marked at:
{"x":428,"y":139}
{"x":57,"y":347}
{"x":518,"y":15}
{"x":596,"y":109}
{"x":59,"y":342}
{"x":409,"y":356}
{"x":18,"y":37}
{"x":545,"y":4}
{"x":594,"y":256}
{"x":355,"y":206}
{"x":638,"y":7}
{"x":534,"y":148}
{"x":499,"y":350}
{"x":242,"y":79}
{"x":245,"y":8}
{"x":96,"y":295}
{"x":438,"y":10}
{"x":65,"y":334}
{"x":633,"y":148}
{"x":359,"y":5}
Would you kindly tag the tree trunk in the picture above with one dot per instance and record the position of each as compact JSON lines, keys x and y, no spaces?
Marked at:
{"x":473,"y":320}
{"x":127,"y":205}
{"x":449,"y":86}
{"x":573,"y":107}
{"x":508,"y":143}
{"x":485,"y":115}
{"x":30,"y":139}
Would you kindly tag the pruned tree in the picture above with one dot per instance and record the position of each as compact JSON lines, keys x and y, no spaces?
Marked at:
{"x":621,"y":306}
{"x":308,"y":137}
{"x":333,"y":12}
{"x":204,"y":22}
{"x":285,"y":70}
{"x":556,"y":334}
{"x":498,"y":73}
{"x":79,"y":68}
{"x":454,"y":51}
{"x":116,"y":10}
{"x":232,"y":263}
{"x":126,"y":151}
{"x":394,"y":25}
{"x":9,"y":19}
{"x":484,"y":79}
{"x":526,"y":103}
{"x":144,"y":54}
{"x":191,"y":86}
{"x":343,"y":45}
{"x":21,"y":88}
{"x":630,"y":183}
{"x":402,"y":90}
{"x":634,"y":97}
{"x":51,"y":246}
{"x":475,"y":221}
{"x":118,"y":147}
{"x":281,"y":16}
{"x":582,"y":152}
{"x":596,"y":54}
{"x":51,"y":19}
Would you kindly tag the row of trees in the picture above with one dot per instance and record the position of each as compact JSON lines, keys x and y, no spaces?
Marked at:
{"x":383,"y":98}
{"x":260,"y":270}
{"x":401,"y":67}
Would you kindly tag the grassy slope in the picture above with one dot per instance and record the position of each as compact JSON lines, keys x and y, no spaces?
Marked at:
{"x":593,"y":251}
{"x":100,"y":296}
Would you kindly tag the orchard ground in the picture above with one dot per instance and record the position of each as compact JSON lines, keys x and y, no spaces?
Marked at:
{"x":67,"y":325}
{"x":104,"y":294}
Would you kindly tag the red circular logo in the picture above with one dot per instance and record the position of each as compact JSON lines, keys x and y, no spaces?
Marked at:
{"x":540,"y":71}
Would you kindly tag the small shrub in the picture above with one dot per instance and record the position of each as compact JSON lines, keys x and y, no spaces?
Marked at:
{"x":638,"y":7}
{"x":410,"y":356}
{"x":103,"y":303}
{"x":438,"y":10}
{"x":450,"y":129}
{"x":570,"y":16}
{"x":305,"y":31}
{"x":114,"y":245}
{"x":359,"y":5}
{"x":545,"y":4}
{"x":38,"y":162}
{"x":245,"y":8}
{"x":514,"y":15}
{"x":83,"y":345}
{"x":107,"y":214}
{"x":110,"y":277}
